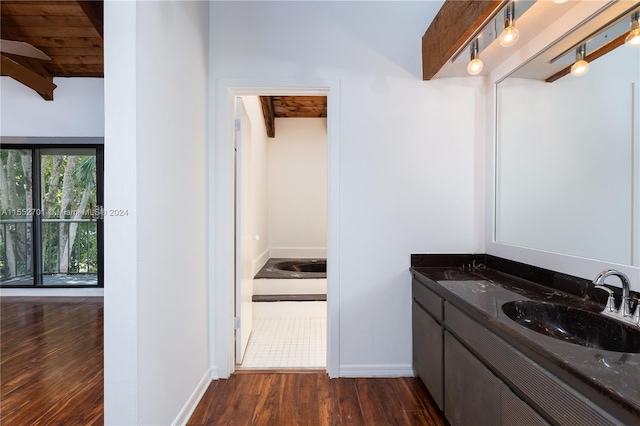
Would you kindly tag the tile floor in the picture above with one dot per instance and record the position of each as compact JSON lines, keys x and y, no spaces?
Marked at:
{"x":285,"y":343}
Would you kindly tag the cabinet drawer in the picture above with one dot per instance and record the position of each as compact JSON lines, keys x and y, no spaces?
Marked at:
{"x":427,"y":299}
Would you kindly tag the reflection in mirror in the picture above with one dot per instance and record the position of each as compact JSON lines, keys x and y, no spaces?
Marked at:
{"x":567,"y":174}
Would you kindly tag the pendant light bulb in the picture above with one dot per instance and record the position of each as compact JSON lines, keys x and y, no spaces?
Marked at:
{"x":510,"y":34}
{"x":559,"y":1}
{"x":475,"y":65}
{"x":633,"y":39}
{"x":580,"y":67}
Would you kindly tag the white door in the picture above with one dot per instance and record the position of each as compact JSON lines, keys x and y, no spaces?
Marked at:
{"x":243,"y":275}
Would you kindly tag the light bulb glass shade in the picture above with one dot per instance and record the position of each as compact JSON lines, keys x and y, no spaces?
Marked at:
{"x":580,"y":67}
{"x":475,"y":66}
{"x":559,"y":1}
{"x":633,"y":39}
{"x":509,"y":36}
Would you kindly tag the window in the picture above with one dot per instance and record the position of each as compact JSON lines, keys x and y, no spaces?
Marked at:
{"x":50,"y":216}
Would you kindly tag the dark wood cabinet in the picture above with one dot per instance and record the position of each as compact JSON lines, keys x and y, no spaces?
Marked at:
{"x":427,"y":344}
{"x":516,"y":412}
{"x":477,"y":378}
{"x":471,"y":391}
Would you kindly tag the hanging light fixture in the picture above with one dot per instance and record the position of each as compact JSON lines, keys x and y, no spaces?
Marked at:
{"x":633,"y":39}
{"x":580,"y":66}
{"x":510,"y":34}
{"x":559,"y":1}
{"x":475,"y":64}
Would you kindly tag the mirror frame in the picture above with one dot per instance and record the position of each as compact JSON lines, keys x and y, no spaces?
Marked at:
{"x":568,"y":264}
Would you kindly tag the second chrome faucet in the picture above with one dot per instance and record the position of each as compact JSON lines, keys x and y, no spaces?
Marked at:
{"x":625,"y":309}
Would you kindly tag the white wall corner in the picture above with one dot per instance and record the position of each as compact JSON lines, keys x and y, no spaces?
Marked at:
{"x":377,"y":370}
{"x":259,"y":262}
{"x":191,"y":404}
{"x":298,"y":252}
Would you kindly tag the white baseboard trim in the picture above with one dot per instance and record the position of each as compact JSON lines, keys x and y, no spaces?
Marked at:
{"x":298,"y":252}
{"x":377,"y":370}
{"x":258,"y":263}
{"x":52,"y":292}
{"x":194,"y":399}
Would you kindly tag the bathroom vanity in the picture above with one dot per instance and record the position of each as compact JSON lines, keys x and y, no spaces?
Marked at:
{"x":484,"y":368}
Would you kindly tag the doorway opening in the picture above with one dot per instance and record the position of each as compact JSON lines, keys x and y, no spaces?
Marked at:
{"x":281,"y":170}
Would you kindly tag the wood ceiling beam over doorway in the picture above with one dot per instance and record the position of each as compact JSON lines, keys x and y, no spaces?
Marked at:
{"x":452,"y":27}
{"x":291,"y":107}
{"x":269,"y":115}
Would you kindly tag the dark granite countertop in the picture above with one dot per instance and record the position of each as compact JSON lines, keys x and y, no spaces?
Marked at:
{"x":481,"y":292}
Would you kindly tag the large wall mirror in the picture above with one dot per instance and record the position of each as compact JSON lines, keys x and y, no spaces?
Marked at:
{"x":568,"y":147}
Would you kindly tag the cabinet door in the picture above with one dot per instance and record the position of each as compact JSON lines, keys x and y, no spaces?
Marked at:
{"x":427,"y":352}
{"x":472,"y":392}
{"x":516,"y":412}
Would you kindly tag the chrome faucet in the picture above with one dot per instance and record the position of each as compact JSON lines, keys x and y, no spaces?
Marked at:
{"x":624,"y":311}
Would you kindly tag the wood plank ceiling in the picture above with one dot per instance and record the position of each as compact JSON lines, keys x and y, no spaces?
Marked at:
{"x":70,"y":32}
{"x":291,"y":107}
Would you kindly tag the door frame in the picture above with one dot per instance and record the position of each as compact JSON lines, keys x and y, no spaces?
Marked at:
{"x":221,"y":240}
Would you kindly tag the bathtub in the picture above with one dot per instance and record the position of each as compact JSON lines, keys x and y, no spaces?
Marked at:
{"x":291,"y":276}
{"x":279,"y":268}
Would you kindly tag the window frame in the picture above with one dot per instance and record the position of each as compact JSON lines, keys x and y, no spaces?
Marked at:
{"x":36,"y":145}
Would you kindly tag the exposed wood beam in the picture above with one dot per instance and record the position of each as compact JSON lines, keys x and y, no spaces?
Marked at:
{"x":95,"y":12}
{"x":299,"y":106}
{"x":269,"y":117}
{"x":454,"y":24}
{"x":601,"y":51}
{"x":28,"y":76}
{"x":34,"y":65}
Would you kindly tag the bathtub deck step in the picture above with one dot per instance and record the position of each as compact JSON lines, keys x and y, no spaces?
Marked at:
{"x":289,"y":297}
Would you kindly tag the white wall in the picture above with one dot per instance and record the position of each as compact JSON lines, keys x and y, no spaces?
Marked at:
{"x":407,"y":149}
{"x":156,"y":349}
{"x":77,"y":109}
{"x":298,"y":188}
{"x":258,"y":180}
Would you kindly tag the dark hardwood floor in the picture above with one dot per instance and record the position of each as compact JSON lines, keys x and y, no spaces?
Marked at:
{"x":51,"y":361}
{"x":314,"y":399}
{"x":51,"y":373}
